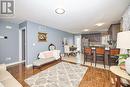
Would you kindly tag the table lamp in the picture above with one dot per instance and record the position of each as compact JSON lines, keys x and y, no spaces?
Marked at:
{"x":123,"y":42}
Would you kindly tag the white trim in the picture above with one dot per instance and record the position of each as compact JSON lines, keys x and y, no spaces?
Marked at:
{"x":20,"y":45}
{"x":28,"y":66}
{"x":10,"y":64}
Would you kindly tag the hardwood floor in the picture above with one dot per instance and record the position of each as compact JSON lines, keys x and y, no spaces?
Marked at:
{"x":94,"y":77}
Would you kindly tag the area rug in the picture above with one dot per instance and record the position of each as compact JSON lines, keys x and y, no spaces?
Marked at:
{"x":62,"y":74}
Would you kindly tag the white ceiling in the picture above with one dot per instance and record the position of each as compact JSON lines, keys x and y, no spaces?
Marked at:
{"x":79,"y":14}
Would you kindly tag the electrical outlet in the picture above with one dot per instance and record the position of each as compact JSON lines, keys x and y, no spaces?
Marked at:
{"x":8,"y":58}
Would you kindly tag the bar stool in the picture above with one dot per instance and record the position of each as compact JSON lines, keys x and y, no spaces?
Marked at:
{"x":100,"y":53}
{"x":88,"y":54}
{"x":113,"y":56}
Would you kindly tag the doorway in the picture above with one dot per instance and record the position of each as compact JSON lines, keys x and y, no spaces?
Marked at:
{"x":22,"y":44}
{"x":78,"y":43}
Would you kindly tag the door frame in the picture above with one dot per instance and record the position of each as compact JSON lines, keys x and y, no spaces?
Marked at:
{"x":20,"y":44}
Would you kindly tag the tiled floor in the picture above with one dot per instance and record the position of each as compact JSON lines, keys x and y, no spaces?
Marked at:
{"x":80,"y":58}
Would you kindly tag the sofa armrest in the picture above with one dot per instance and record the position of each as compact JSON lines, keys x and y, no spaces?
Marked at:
{"x":2,"y":67}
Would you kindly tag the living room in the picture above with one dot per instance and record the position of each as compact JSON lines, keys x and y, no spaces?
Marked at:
{"x":64,"y":43}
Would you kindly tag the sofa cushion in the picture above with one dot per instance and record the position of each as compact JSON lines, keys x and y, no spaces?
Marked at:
{"x":1,"y":85}
{"x":2,"y":67}
{"x":11,"y":82}
{"x":46,"y":54}
{"x":42,"y":61}
{"x":8,"y":80}
{"x":4,"y":75}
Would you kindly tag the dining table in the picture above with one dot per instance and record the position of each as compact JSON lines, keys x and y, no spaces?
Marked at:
{"x":73,"y":50}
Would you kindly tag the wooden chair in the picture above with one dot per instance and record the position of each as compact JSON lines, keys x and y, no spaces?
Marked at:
{"x":113,"y":56}
{"x":100,"y":53}
{"x":88,"y":54}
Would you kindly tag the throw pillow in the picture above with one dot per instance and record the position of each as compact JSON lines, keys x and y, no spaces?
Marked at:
{"x":1,"y":85}
{"x":48,"y":54}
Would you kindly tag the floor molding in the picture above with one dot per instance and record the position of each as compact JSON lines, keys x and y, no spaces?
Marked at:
{"x":30,"y":65}
{"x":10,"y":64}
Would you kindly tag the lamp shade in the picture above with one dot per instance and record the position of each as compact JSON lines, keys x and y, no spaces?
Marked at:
{"x":123,"y":40}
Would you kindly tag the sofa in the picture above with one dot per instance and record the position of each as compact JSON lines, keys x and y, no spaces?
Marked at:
{"x":46,"y":57}
{"x":6,"y":79}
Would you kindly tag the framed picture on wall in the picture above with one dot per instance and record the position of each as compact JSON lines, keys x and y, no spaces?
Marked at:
{"x":42,"y":37}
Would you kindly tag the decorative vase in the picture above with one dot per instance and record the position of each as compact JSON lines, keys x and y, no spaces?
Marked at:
{"x":127,"y":65}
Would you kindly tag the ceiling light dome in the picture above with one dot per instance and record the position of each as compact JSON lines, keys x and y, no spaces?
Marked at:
{"x":60,"y":11}
{"x":100,"y":24}
{"x":86,"y":30}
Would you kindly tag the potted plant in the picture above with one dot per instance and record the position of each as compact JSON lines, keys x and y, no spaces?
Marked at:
{"x":122,"y":59}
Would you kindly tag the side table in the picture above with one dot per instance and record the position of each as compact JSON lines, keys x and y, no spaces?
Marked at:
{"x":120,"y":74}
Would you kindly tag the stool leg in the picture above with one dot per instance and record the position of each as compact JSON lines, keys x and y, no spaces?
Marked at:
{"x":84,"y":58}
{"x":104,"y":60}
{"x":91,"y":60}
{"x":109,"y":60}
{"x":95,"y":60}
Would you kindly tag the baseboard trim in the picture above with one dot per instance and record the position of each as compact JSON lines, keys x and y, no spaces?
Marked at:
{"x":30,"y":65}
{"x":10,"y":64}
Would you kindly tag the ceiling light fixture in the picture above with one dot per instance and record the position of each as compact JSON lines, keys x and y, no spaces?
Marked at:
{"x":86,"y":30}
{"x":60,"y":11}
{"x":100,"y":24}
